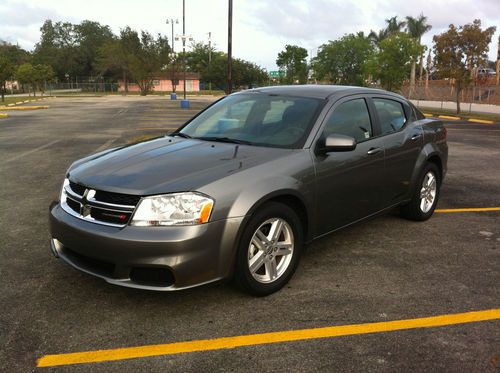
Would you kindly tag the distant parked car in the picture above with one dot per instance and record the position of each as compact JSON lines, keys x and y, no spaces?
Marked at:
{"x":241,"y":187}
{"x":486,"y":71}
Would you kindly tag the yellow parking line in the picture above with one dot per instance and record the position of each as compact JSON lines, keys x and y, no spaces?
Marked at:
{"x":448,"y":117}
{"x":264,"y":338}
{"x":13,"y":108}
{"x":2,"y":115}
{"x":428,"y":115}
{"x":482,"y":121}
{"x":474,"y":209}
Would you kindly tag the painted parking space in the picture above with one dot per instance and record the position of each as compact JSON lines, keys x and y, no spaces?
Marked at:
{"x":265,"y":338}
{"x":373,"y":275}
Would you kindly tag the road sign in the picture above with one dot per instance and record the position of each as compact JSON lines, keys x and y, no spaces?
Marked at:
{"x":276,"y":74}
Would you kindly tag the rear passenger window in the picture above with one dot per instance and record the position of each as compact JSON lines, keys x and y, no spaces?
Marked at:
{"x":391,"y":115}
{"x":351,"y":119}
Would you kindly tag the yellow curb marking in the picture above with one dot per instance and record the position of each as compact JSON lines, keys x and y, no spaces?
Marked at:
{"x":428,"y":115}
{"x":2,"y":115}
{"x":448,"y":117}
{"x":25,"y":107}
{"x":264,"y":338}
{"x":474,"y":209}
{"x":483,"y":121}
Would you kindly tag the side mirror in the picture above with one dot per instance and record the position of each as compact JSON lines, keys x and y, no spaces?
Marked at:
{"x":337,"y":143}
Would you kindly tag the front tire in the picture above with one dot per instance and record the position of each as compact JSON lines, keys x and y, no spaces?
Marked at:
{"x":270,"y":249}
{"x":425,"y":196}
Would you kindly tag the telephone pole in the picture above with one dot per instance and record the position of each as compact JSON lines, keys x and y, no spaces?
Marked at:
{"x":230,"y":49}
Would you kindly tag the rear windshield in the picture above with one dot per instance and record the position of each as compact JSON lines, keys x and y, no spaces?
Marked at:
{"x":258,"y":119}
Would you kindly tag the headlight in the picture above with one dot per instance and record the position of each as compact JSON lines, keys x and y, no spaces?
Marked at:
{"x":173,"y":209}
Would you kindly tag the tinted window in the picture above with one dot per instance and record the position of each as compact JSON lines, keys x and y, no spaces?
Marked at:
{"x":391,"y":115}
{"x":351,"y":119}
{"x":418,"y":114}
{"x":261,"y":119}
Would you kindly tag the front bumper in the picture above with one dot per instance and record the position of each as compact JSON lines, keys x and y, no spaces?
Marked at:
{"x":154,"y":258}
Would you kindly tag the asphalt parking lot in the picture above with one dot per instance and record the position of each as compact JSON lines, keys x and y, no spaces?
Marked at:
{"x":383,"y":270}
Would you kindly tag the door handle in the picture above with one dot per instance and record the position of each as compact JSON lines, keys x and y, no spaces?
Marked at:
{"x":373,"y":151}
{"x":415,"y":136}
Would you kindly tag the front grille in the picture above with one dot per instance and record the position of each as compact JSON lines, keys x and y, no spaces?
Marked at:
{"x":116,"y":198}
{"x":99,"y":206}
{"x":110,"y":216}
{"x":75,"y":206}
{"x":78,"y":189}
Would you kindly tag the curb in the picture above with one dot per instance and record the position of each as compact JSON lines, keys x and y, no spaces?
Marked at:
{"x":19,"y":108}
{"x":449,"y":117}
{"x":2,"y":107}
{"x":2,"y":115}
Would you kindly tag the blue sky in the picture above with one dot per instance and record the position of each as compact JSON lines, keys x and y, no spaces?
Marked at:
{"x":261,"y":28}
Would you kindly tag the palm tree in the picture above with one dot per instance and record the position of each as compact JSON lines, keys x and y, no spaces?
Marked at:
{"x":376,"y":38}
{"x":394,"y":26}
{"x":417,"y":27}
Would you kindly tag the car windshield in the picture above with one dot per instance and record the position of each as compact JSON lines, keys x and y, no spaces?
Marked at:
{"x":256,"y":119}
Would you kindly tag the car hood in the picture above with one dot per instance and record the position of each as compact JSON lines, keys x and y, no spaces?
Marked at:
{"x":167,"y":165}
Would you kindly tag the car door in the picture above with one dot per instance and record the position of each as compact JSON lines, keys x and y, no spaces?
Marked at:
{"x":402,"y":139}
{"x":349,"y":185}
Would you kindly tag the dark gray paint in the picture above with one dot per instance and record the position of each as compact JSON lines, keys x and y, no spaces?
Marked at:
{"x":336,"y":189}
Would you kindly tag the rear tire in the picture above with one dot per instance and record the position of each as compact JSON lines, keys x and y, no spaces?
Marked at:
{"x":425,"y":196}
{"x":269,"y":250}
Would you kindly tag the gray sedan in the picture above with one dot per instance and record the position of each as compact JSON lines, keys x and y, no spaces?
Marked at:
{"x":240,"y":189}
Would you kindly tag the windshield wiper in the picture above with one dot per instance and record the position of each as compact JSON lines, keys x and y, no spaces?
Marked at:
{"x":180,"y":134}
{"x":225,"y":139}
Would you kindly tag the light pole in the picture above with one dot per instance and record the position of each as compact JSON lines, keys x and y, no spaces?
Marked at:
{"x":230,"y":48}
{"x":184,"y":102}
{"x":209,"y":60}
{"x":172,"y":21}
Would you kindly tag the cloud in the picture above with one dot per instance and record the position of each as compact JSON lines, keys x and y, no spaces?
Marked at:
{"x":261,"y":28}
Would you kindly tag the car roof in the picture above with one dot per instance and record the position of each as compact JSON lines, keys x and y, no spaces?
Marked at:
{"x":318,"y":90}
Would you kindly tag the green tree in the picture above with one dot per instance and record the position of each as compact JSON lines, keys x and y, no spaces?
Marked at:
{"x":393,"y":26}
{"x":392,"y":63}
{"x":10,"y":57}
{"x":292,"y":61}
{"x":344,"y":60}
{"x":416,"y":27}
{"x":6,"y":72}
{"x":458,"y":51}
{"x":147,"y":61}
{"x":42,"y":75}
{"x":245,"y":74}
{"x":115,"y":56}
{"x":71,"y":48}
{"x":89,"y":36}
{"x":25,"y":74}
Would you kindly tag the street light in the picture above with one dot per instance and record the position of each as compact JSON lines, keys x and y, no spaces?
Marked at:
{"x":184,"y":103}
{"x":172,"y":21}
{"x":209,"y":60}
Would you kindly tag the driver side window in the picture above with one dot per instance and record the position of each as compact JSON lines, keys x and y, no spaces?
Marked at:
{"x":351,"y":118}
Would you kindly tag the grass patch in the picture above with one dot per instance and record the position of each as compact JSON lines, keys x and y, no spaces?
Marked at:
{"x":453,"y":113}
{"x":13,"y":100}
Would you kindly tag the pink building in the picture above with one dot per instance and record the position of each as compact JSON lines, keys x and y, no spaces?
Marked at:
{"x":164,"y":84}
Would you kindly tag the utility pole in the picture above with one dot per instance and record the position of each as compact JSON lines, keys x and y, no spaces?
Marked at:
{"x":498,"y":62}
{"x":172,"y":54}
{"x":184,"y":42}
{"x":230,"y":48}
{"x":209,"y":60}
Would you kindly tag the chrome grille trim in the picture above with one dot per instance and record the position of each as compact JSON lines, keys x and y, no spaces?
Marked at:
{"x":87,"y":206}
